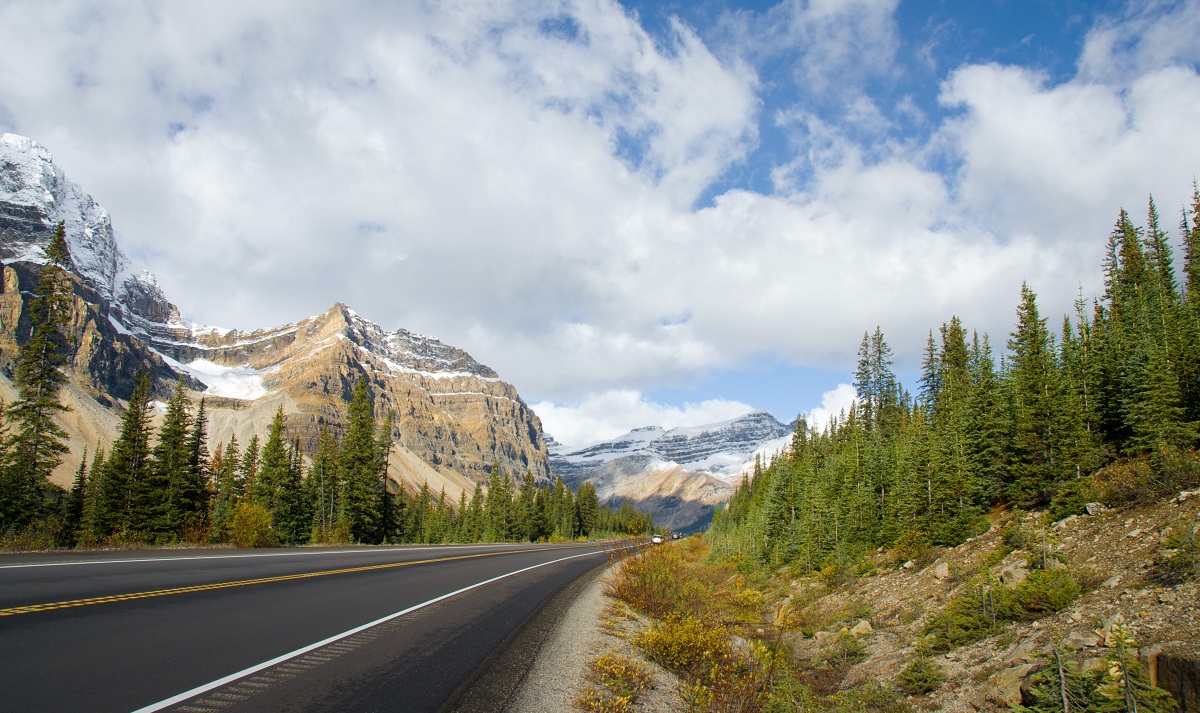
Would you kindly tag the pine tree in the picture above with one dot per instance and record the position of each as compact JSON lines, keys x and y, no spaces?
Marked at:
{"x":273,"y":468}
{"x":38,"y":443}
{"x":77,"y":500}
{"x":325,"y":484}
{"x":125,"y":495}
{"x":589,"y":509}
{"x":388,"y":505}
{"x":292,"y":520}
{"x":1033,"y":378}
{"x":360,"y":468}
{"x":169,"y":472}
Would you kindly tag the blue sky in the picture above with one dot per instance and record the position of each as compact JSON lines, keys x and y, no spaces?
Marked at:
{"x":640,"y":213}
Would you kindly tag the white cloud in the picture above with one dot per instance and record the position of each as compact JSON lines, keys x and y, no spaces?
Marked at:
{"x":459,"y":170}
{"x":835,"y":403}
{"x":613,"y":413}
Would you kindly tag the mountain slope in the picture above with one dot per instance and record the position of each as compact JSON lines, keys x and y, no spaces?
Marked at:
{"x":454,"y":416}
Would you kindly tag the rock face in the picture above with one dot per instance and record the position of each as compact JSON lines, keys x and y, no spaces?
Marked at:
{"x":454,"y":417}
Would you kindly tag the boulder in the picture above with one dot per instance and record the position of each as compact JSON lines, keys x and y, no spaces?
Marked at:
{"x":1094,"y":508}
{"x":1179,"y":675}
{"x":1005,"y":687}
{"x":942,"y":571}
{"x":1082,"y":639}
{"x":1014,"y":574}
{"x":862,"y":628}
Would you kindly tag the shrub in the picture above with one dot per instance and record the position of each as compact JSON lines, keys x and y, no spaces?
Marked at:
{"x":1071,"y":497}
{"x":1045,"y":591}
{"x":650,"y":582}
{"x":619,"y":680}
{"x":846,"y":650}
{"x":922,"y":675}
{"x":685,"y":644}
{"x":1181,"y":560}
{"x":250,"y":526}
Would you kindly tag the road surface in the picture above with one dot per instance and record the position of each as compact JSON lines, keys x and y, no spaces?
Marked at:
{"x":352,"y":629}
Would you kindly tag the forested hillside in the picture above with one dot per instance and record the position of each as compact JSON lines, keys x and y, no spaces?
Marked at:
{"x":1100,"y":406}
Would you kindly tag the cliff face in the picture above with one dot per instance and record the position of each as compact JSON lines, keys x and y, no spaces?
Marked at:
{"x":454,"y":416}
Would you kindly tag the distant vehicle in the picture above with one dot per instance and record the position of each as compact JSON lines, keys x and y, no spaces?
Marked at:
{"x":677,"y":536}
{"x":657,"y":539}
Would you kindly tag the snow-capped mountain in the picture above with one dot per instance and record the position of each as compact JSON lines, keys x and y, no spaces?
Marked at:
{"x":681,"y":475}
{"x":722,"y":449}
{"x":454,"y":416}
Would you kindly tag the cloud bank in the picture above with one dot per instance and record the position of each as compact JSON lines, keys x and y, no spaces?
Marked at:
{"x":533,"y":181}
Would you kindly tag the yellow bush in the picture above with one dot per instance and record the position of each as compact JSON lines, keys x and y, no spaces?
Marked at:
{"x":250,"y":525}
{"x":685,"y":644}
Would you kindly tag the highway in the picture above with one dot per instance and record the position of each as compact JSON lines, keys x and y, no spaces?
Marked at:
{"x":349,"y":629}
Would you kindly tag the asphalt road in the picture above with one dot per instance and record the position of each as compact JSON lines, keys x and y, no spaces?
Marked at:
{"x":353,"y":629}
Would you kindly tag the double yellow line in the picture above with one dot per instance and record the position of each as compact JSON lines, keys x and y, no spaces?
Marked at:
{"x":51,"y":606}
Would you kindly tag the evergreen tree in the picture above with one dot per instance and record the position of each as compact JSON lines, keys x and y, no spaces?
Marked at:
{"x":360,"y":468}
{"x":169,"y":473}
{"x":324,"y":481}
{"x":1033,"y":378}
{"x":125,"y":496}
{"x":38,"y":443}
{"x":589,"y":509}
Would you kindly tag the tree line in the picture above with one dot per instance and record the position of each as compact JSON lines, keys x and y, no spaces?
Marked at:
{"x":168,"y":487}
{"x":1105,"y":407}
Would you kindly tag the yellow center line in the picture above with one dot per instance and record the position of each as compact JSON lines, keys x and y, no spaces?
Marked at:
{"x":51,"y":606}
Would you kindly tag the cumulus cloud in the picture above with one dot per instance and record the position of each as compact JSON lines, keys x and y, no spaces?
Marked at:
{"x":612,"y":413}
{"x":521,"y":178}
{"x":835,"y":403}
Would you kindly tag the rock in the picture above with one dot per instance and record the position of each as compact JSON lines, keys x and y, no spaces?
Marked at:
{"x":1082,"y":639}
{"x":942,"y":571}
{"x":1021,"y":652}
{"x":1179,"y":675}
{"x":1055,"y":563}
{"x":1167,"y":597}
{"x":1112,"y":582}
{"x":1093,"y":664}
{"x":1005,"y":687}
{"x":13,"y":284}
{"x":1014,"y":574}
{"x":862,"y":628}
{"x":907,"y":565}
{"x":824,"y":638}
{"x":1136,"y":532}
{"x":1076,"y":616}
{"x":1094,"y":508}
{"x":1063,"y":522}
{"x":1184,"y":495}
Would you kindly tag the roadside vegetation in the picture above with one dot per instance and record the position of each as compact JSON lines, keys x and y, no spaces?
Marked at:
{"x":1101,"y":415}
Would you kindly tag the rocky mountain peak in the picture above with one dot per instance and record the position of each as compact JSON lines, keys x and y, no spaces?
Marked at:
{"x":454,"y":417}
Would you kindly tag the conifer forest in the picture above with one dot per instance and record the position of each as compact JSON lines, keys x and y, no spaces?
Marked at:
{"x":1100,"y":406}
{"x":170,"y":486}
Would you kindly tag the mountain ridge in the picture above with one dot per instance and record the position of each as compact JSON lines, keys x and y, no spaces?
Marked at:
{"x":455,"y":417}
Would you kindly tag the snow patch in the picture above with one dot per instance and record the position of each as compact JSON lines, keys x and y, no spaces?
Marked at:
{"x":235,"y":382}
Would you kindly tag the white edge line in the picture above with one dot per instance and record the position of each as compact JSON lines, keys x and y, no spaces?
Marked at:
{"x":180,"y":698}
{"x":364,"y":550}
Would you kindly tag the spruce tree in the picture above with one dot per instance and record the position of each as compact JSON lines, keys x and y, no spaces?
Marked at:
{"x":170,"y":469}
{"x":360,"y":468}
{"x":125,"y":496}
{"x":37,"y":444}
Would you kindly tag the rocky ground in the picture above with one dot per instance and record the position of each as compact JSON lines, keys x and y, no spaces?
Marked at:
{"x":1112,"y":552}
